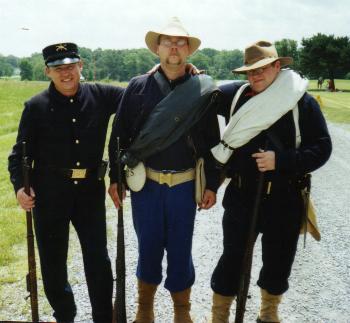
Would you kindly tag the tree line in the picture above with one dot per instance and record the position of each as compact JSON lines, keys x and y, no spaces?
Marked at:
{"x":321,"y":55}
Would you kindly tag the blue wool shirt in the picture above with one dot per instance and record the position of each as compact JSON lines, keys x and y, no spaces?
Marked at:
{"x":291,"y":162}
{"x":139,"y":99}
{"x":64,"y":132}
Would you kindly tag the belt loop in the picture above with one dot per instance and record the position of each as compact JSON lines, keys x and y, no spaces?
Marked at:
{"x":268,"y":191}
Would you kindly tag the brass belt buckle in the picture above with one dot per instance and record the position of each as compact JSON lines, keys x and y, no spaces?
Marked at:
{"x":78,"y":173}
{"x":165,"y":178}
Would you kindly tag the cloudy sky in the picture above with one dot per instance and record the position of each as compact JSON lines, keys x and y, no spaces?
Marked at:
{"x":26,"y":26}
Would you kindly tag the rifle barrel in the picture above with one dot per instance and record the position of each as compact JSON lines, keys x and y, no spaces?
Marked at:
{"x":248,"y":255}
{"x":31,"y":276}
{"x":119,"y":311}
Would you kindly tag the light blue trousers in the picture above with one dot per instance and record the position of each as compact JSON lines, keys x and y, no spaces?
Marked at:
{"x":164,"y":220}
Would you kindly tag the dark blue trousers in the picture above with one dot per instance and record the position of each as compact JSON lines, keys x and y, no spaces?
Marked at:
{"x":82,"y":205}
{"x":164,"y":220}
{"x":279,"y":222}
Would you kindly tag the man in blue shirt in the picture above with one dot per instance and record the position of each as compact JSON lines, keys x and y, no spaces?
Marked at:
{"x":277,"y":128}
{"x":183,"y":107}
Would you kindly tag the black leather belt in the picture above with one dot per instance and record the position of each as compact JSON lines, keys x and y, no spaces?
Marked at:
{"x":241,"y":183}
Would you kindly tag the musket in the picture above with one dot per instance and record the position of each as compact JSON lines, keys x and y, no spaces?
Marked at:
{"x":246,"y":268}
{"x":31,"y":276}
{"x":119,"y":310}
{"x":305,"y":193}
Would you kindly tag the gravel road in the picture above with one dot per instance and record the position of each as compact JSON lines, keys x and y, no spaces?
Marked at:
{"x":320,"y":282}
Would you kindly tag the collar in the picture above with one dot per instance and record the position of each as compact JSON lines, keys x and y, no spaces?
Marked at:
{"x":179,"y":80}
{"x":250,"y":92}
{"x":63,"y":98}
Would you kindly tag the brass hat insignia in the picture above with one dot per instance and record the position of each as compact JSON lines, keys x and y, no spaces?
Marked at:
{"x":61,"y":47}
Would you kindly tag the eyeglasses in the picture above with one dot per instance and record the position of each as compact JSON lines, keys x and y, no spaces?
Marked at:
{"x":63,"y":68}
{"x":258,"y":71}
{"x":178,"y":43}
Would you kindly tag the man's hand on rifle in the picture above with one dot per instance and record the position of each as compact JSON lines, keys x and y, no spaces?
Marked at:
{"x":208,"y":200}
{"x":265,"y":160}
{"x":25,"y":201}
{"x":113,"y":193}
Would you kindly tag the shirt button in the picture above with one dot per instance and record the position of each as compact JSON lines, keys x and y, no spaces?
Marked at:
{"x":77,"y":163}
{"x":74,"y":120}
{"x":77,"y":141}
{"x":71,"y":100}
{"x":75,"y":182}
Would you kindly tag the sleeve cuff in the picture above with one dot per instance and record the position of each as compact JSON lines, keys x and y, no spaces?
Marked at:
{"x":286,"y":161}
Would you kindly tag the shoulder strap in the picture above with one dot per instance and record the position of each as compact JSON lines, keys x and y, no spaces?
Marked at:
{"x":162,"y":83}
{"x":297,"y":127}
{"x":277,"y":142}
{"x":173,"y":116}
{"x":236,"y":97}
{"x":272,"y":137}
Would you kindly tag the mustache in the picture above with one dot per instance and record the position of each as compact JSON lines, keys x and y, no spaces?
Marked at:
{"x":174,"y":51}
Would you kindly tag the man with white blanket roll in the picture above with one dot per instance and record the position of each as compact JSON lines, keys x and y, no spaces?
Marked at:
{"x":275,"y":127}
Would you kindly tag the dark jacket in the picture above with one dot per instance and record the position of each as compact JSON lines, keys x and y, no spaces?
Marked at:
{"x":140,"y":97}
{"x":291,"y":162}
{"x":64,"y":132}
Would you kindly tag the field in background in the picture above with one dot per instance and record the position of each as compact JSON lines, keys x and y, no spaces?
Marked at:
{"x":12,"y":220}
{"x":13,"y":262}
{"x":335,"y":105}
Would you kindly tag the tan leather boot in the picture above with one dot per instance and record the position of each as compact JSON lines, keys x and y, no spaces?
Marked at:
{"x":220,"y":309}
{"x":182,"y":306}
{"x":269,"y":308}
{"x":145,"y":313}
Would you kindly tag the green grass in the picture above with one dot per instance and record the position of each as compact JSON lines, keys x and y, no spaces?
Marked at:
{"x":12,"y":96}
{"x":12,"y":219}
{"x":335,"y":105}
{"x":342,"y":85}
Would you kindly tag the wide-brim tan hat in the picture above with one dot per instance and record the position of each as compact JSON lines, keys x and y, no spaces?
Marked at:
{"x":173,"y":28}
{"x":260,"y":54}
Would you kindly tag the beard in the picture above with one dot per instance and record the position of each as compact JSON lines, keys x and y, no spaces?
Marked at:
{"x":178,"y":62}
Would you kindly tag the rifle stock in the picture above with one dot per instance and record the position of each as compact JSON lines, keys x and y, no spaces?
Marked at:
{"x":119,"y":310}
{"x":31,"y":276}
{"x":248,"y":255}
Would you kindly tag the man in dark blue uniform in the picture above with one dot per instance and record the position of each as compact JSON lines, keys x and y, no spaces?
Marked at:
{"x":169,"y":141}
{"x":64,"y":128}
{"x":276,"y":128}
